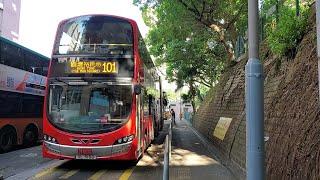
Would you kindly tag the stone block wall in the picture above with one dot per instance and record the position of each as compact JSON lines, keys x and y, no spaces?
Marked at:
{"x":292,"y":114}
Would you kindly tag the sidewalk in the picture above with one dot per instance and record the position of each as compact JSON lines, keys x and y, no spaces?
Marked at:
{"x":190,"y":158}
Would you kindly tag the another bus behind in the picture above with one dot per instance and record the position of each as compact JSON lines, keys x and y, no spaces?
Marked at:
{"x":22,"y":88}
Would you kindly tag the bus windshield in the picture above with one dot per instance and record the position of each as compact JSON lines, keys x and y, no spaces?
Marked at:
{"x":98,"y":107}
{"x":94,"y":34}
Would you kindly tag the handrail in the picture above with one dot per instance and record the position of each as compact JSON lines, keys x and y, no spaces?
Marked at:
{"x":167,"y":154}
{"x":170,"y":139}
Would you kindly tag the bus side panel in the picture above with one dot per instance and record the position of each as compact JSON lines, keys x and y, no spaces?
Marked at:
{"x":21,"y":124}
{"x":19,"y":80}
{"x":148,"y":130}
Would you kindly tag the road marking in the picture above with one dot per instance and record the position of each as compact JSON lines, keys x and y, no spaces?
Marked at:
{"x":126,"y":174}
{"x":69,"y":174}
{"x":45,"y":172}
{"x":97,"y":175}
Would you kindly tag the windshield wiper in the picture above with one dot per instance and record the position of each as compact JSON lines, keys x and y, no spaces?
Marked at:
{"x":72,"y":82}
{"x":60,"y":80}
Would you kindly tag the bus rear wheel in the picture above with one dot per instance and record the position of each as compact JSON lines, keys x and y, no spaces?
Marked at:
{"x":30,"y":136}
{"x":7,"y":139}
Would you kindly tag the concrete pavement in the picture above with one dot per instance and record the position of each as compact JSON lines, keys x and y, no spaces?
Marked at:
{"x":190,"y":157}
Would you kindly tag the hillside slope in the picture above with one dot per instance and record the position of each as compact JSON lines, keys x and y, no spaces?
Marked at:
{"x":292,"y":115}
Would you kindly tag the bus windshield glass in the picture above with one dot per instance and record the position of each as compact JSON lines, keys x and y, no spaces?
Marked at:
{"x":98,"y":107}
{"x":94,"y":35}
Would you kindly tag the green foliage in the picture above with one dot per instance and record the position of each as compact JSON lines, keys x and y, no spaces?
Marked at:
{"x":189,"y":49}
{"x":153,"y":91}
{"x":186,"y":98}
{"x":202,"y":92}
{"x":181,"y":43}
{"x":283,"y":36}
{"x":171,"y":95}
{"x":193,"y":39}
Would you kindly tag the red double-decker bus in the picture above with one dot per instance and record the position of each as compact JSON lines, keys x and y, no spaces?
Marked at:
{"x":104,"y":97}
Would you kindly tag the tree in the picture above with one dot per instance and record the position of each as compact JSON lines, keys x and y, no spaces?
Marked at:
{"x":226,"y":18}
{"x":194,"y":39}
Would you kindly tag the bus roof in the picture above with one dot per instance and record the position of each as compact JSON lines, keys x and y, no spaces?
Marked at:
{"x":24,"y":48}
{"x":113,"y":16}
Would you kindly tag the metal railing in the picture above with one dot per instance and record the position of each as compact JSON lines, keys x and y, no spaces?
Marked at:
{"x":167,"y":154}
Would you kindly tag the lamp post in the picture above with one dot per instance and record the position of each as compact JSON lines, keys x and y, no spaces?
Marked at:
{"x":254,"y":101}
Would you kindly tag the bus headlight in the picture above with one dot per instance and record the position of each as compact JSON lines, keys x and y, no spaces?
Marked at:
{"x":50,"y":139}
{"x":124,"y":139}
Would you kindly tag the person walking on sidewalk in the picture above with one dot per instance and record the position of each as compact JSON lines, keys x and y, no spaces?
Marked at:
{"x":173,"y":116}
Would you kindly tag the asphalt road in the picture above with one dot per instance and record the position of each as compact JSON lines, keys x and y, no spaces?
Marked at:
{"x":190,"y":159}
{"x":29,"y":164}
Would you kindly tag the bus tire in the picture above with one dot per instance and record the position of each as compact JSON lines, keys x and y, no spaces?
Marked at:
{"x":155,"y":128}
{"x":8,"y":139}
{"x":30,"y":136}
{"x":156,"y":133}
{"x":132,"y":163}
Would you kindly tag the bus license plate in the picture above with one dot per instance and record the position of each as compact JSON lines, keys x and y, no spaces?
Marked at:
{"x":86,"y":157}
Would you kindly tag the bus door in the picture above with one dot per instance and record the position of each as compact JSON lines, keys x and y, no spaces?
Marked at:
{"x":145,"y":117}
{"x":152,"y":116}
{"x":139,"y":124}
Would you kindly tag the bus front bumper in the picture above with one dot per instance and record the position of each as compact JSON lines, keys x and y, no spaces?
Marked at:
{"x":86,"y":152}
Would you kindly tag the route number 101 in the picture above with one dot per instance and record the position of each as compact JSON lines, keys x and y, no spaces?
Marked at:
{"x":109,"y":67}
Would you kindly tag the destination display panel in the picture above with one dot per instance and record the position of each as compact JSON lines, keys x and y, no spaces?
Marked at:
{"x":92,"y":67}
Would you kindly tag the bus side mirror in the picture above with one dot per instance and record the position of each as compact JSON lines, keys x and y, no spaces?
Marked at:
{"x":137,"y":89}
{"x":45,"y":70}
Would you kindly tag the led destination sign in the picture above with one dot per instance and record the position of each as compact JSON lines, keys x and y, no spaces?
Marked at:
{"x":94,"y":67}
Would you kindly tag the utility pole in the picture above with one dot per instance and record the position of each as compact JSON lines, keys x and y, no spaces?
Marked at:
{"x":318,"y":41}
{"x":254,"y":101}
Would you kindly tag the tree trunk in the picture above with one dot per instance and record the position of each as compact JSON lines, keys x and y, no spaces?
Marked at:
{"x":193,"y":94}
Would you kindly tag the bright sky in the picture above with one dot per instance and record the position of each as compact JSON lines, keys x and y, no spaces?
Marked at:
{"x":39,"y":18}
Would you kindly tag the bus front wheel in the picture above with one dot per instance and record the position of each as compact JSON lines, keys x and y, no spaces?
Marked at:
{"x":30,"y":136}
{"x":7,"y":139}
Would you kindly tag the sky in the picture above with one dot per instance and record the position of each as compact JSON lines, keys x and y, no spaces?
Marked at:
{"x":39,"y":18}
